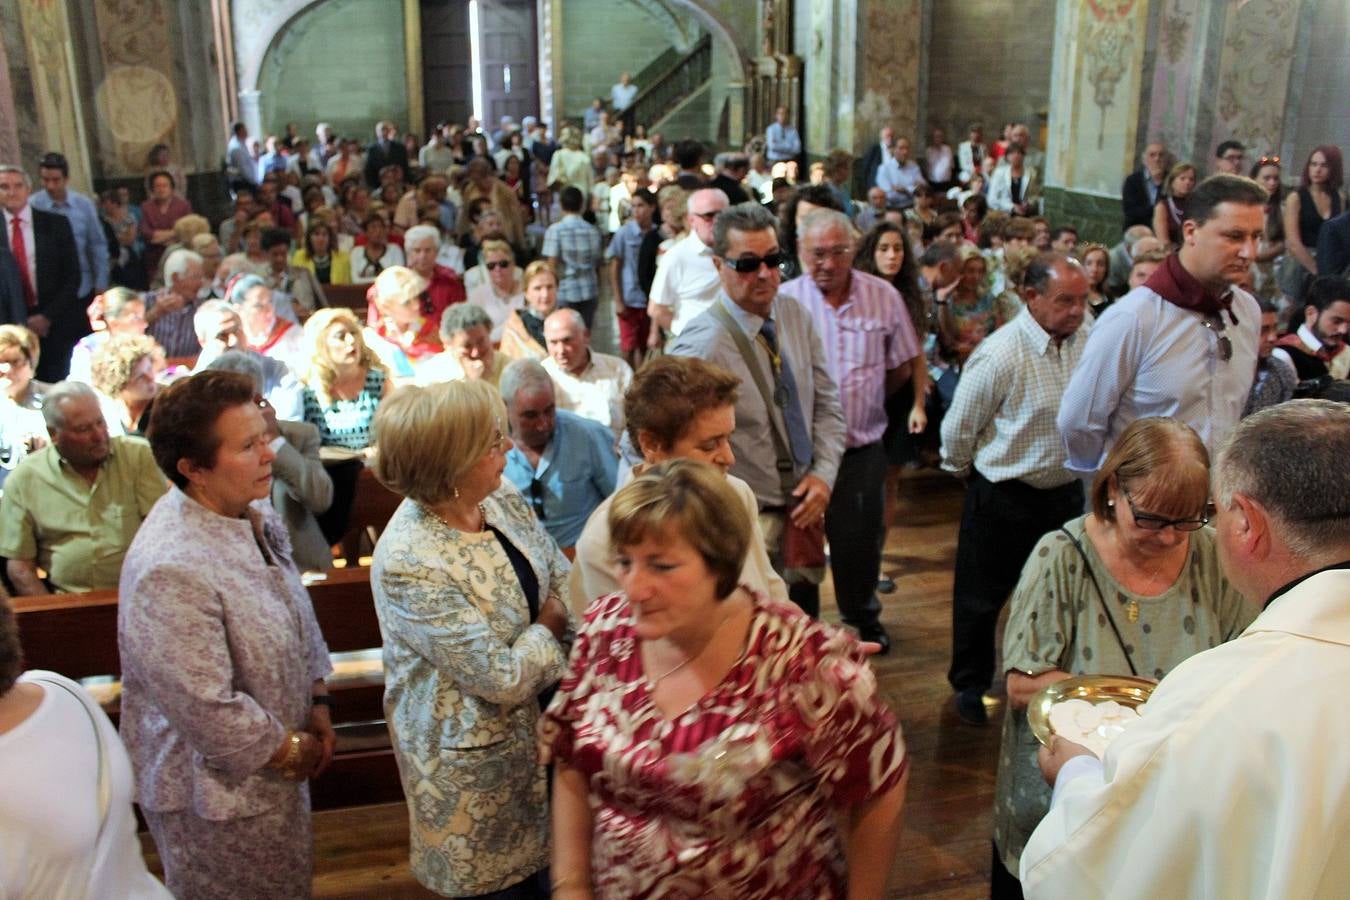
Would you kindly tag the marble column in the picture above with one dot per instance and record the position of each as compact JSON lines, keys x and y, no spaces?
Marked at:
{"x":250,"y":111}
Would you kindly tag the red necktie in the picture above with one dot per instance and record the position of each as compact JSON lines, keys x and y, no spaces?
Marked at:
{"x":20,"y":252}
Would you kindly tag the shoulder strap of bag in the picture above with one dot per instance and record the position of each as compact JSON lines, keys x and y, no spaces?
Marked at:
{"x":104,"y":769}
{"x":786,"y":466}
{"x":1110,"y":619}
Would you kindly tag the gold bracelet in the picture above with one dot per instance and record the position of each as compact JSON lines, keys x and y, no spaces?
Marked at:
{"x":293,"y":751}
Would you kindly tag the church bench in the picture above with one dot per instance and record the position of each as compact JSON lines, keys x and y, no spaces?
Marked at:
{"x":351,"y":296}
{"x":76,"y":635}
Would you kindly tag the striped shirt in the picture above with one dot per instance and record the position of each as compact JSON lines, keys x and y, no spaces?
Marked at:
{"x":173,"y":330}
{"x":576,"y":244}
{"x":867,"y":336}
{"x":1002,"y":420}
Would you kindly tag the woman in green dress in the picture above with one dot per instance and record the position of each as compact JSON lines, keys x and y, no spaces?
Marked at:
{"x":1132,"y":588}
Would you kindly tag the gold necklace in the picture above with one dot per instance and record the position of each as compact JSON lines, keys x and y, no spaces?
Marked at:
{"x":653,"y":682}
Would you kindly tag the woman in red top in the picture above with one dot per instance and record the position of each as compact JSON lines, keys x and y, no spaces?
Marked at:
{"x":158,"y":214}
{"x":421,"y":244}
{"x":396,"y":316}
{"x":709,"y":741}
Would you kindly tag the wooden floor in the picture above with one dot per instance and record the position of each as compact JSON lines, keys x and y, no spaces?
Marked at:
{"x":944,"y":852}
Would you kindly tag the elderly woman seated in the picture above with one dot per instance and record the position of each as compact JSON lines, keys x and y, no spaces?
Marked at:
{"x":399,"y":330}
{"x":468,"y":590}
{"x":444,"y":288}
{"x":123,"y":372}
{"x":22,"y":428}
{"x":1132,"y":588}
{"x":465,"y":332}
{"x":678,"y":407}
{"x":710,"y":741}
{"x":265,"y":331}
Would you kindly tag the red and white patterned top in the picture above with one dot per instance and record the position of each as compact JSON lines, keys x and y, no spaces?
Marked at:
{"x":738,"y":795}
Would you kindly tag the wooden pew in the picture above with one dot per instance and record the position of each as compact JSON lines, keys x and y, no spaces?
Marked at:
{"x":352,"y":296}
{"x":372,"y":506}
{"x":76,"y":635}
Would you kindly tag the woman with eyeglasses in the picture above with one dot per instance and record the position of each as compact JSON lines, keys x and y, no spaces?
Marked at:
{"x":502,"y":292}
{"x":1132,"y":588}
{"x":468,"y":588}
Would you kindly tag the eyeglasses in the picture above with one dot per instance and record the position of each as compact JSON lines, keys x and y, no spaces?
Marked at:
{"x":748,"y":265}
{"x":1225,"y":345}
{"x":537,"y":498}
{"x":1150,"y":522}
{"x":1234,"y":157}
{"x":499,"y":264}
{"x":705,"y":216}
{"x":820,"y":254}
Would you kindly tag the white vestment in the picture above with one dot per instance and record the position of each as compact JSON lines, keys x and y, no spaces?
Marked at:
{"x":1236,"y":781}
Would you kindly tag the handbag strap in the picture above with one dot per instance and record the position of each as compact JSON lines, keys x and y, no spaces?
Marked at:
{"x":786,"y":467}
{"x":1110,"y":619}
{"x":104,"y":790}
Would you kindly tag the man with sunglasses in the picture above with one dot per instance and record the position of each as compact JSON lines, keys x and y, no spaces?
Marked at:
{"x":686,"y":281}
{"x":1236,"y":782}
{"x":790,"y":428}
{"x":1185,"y":343}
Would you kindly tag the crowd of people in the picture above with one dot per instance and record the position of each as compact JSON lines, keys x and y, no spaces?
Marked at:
{"x":606,"y":674}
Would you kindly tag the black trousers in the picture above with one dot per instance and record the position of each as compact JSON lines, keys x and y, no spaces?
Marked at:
{"x":1000,"y":525}
{"x":856,"y":529}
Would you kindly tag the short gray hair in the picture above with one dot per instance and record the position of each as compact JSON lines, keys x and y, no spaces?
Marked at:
{"x":178,"y":261}
{"x":8,"y":169}
{"x":572,"y":316}
{"x":210,"y":311}
{"x":524,"y":375}
{"x":1291,"y":459}
{"x":743,"y":217}
{"x":421,"y":233}
{"x":58,"y":394}
{"x":822,"y":218}
{"x":239,"y":361}
{"x":462,"y":317}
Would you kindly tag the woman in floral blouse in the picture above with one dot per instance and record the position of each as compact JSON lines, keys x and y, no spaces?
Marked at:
{"x":709,"y":741}
{"x":467,"y":588}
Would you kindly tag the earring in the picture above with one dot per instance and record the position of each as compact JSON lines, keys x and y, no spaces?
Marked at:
{"x":1110,"y":504}
{"x":456,"y":493}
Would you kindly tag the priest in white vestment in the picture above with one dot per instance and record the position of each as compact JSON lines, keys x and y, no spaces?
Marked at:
{"x":1236,"y":781}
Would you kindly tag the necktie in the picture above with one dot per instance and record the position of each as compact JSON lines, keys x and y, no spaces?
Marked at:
{"x":20,"y":252}
{"x":785,"y":396}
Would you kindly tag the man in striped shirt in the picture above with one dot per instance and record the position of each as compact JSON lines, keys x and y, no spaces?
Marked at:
{"x":1000,"y":436}
{"x":870,"y":348}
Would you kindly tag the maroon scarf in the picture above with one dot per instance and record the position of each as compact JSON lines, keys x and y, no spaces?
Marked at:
{"x":1174,"y":284}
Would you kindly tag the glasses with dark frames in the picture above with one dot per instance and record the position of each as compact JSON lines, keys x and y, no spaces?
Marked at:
{"x":1151,"y":522}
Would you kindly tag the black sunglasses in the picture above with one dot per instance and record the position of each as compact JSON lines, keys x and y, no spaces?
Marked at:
{"x":1225,"y":345}
{"x":499,"y":264}
{"x":1150,"y":522}
{"x":748,"y":265}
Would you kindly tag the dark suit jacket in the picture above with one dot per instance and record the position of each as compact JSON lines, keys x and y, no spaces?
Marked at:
{"x":13,"y":309}
{"x":377,"y":158}
{"x":1333,"y":246}
{"x":1135,"y":206}
{"x":871,"y":162}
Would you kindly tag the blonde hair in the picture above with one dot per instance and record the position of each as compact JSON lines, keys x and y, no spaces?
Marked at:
{"x":25,"y":340}
{"x":398,"y":286}
{"x":495,"y":245}
{"x":110,"y":369}
{"x":1162,"y":462}
{"x":540,"y":267}
{"x":429,"y":437}
{"x":694,"y":501}
{"x":115,"y":300}
{"x":188,"y":227}
{"x":322,"y":373}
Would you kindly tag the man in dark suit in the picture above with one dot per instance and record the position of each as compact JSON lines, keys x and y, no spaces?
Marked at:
{"x":877,"y":154}
{"x":731,"y":171}
{"x":47,"y":265}
{"x":1141,"y":189}
{"x":387,"y":150}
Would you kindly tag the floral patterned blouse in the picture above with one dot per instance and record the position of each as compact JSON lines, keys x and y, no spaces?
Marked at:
{"x":738,"y":796}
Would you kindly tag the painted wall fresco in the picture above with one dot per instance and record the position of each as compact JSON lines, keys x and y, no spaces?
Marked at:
{"x":47,"y":38}
{"x":888,"y":90}
{"x":1253,"y":79}
{"x":136,"y":100}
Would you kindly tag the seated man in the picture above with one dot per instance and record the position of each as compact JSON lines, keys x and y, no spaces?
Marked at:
{"x":219,"y":329}
{"x":73,"y":507}
{"x":1319,"y":343}
{"x":466,"y":334}
{"x":563,"y":464}
{"x":585,"y":382}
{"x":301,"y":486}
{"x":169,"y":311}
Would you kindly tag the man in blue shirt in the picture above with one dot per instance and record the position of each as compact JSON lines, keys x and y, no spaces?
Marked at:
{"x":565,"y":465}
{"x":781,"y":139}
{"x":57,"y":196}
{"x":623,"y":252}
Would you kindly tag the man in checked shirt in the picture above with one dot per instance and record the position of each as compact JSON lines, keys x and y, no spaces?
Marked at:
{"x":1000,"y":436}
